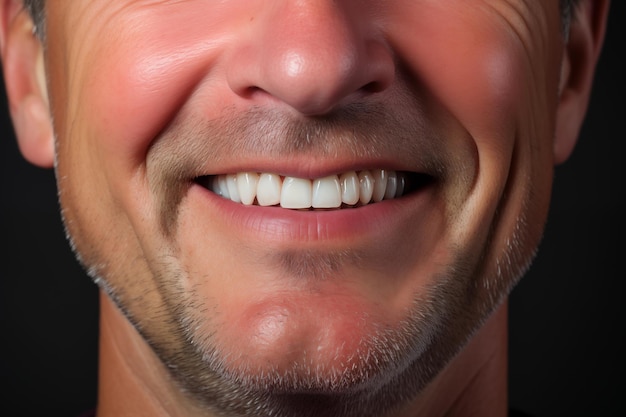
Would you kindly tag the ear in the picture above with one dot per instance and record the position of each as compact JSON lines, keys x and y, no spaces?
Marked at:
{"x":22,"y":61}
{"x":579,"y":63}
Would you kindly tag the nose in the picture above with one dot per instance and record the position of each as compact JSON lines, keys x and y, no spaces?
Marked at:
{"x":312,"y":55}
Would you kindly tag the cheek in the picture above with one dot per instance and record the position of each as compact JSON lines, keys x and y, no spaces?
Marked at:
{"x":476,"y":67}
{"x":475,"y":71}
{"x":135,"y":92}
{"x":484,"y":91}
{"x":150,"y":62}
{"x":470,"y":66}
{"x":116,"y":84}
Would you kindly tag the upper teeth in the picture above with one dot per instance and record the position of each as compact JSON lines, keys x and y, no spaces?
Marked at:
{"x":350,"y":188}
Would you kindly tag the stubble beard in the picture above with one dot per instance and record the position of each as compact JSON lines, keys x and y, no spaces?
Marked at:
{"x":391,"y":369}
{"x":391,"y":366}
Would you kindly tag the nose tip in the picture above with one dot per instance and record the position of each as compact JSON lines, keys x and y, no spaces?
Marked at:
{"x":314,"y":82}
{"x":312,"y":59}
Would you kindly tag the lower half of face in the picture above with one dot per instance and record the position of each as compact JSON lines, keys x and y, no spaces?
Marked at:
{"x":255,"y":305}
{"x":325,"y":264}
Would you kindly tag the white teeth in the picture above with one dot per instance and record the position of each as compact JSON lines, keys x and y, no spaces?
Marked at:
{"x":247,"y":185}
{"x":380,"y":184}
{"x":392,"y":185}
{"x":326,"y":192}
{"x":350,"y":188}
{"x":296,"y":193}
{"x":268,"y":189}
{"x":219,"y":186}
{"x":366,"y":186}
{"x":231,"y":185}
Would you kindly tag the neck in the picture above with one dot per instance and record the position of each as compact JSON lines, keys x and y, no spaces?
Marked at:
{"x":133,"y":382}
{"x":474,"y":383}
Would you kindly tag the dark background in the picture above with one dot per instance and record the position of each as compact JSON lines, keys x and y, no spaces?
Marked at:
{"x":567,"y":315}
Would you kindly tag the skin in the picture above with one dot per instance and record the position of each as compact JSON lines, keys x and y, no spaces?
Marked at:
{"x":208,"y":307}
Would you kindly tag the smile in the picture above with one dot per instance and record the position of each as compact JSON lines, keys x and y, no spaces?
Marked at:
{"x":346,"y":190}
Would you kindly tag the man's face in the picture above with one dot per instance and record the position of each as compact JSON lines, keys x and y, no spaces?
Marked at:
{"x":154,"y":102}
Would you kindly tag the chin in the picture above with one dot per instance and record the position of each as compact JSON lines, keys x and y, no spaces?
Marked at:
{"x":317,"y":343}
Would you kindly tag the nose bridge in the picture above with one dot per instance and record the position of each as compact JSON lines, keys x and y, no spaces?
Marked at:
{"x":312,"y":54}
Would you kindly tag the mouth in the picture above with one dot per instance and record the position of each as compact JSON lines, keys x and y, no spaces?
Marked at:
{"x":346,"y":190}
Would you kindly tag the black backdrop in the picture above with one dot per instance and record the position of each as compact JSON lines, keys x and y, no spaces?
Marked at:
{"x":567,"y":315}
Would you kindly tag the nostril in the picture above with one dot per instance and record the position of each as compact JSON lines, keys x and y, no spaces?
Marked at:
{"x":250,"y":92}
{"x":374,"y":87}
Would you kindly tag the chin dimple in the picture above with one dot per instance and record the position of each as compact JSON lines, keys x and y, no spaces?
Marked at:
{"x":350,"y":189}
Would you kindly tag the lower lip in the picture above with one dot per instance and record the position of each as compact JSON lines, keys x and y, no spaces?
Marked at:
{"x":277,"y":225}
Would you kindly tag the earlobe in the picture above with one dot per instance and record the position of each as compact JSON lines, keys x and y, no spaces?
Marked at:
{"x":22,"y":61}
{"x":578,"y":67}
